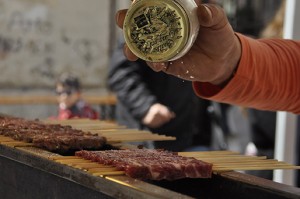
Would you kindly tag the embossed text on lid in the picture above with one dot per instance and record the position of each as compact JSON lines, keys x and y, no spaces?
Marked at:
{"x":156,"y":30}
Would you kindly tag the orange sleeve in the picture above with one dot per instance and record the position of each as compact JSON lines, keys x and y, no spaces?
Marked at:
{"x":267,"y":77}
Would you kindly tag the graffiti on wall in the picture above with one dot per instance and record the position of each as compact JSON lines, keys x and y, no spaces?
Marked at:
{"x":36,"y":42}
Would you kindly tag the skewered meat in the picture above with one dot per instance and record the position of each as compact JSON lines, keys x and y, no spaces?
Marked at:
{"x":53,"y":137}
{"x":150,"y":164}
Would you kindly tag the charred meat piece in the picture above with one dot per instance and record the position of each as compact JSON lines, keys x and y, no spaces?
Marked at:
{"x":53,"y":137}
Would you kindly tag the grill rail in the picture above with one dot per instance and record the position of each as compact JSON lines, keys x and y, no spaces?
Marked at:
{"x":24,"y":170}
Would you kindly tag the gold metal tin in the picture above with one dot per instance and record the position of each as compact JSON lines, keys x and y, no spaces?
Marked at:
{"x":156,"y":30}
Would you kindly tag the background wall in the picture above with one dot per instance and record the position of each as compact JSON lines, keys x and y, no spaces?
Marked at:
{"x":45,"y":38}
{"x":40,"y":39}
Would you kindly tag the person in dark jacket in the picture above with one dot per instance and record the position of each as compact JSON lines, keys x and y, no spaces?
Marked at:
{"x":158,"y":102}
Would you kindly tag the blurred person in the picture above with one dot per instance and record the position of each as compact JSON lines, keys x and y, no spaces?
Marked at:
{"x":71,"y":104}
{"x":159,"y":103}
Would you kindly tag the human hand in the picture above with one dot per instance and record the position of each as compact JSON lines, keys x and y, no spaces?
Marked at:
{"x":214,"y":55}
{"x":157,"y":115}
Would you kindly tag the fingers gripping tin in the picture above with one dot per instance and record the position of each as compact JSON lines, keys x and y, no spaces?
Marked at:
{"x":161,"y":30}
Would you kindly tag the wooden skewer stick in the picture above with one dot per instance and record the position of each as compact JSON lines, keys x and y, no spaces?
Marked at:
{"x":265,"y":162}
{"x":256,"y":163}
{"x":16,"y":144}
{"x":65,"y":157}
{"x":208,"y":153}
{"x":98,"y":170}
{"x":90,"y":165}
{"x":225,"y":160}
{"x":83,"y":120}
{"x":4,"y":138}
{"x":109,"y":173}
{"x":121,"y":131}
{"x":253,"y":167}
{"x":71,"y":161}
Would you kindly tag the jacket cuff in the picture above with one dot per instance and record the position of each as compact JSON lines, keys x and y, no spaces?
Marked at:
{"x":233,"y":87}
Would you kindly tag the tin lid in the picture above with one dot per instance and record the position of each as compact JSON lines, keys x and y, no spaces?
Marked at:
{"x":156,"y":30}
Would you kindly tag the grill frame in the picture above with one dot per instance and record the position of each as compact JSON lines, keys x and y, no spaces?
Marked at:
{"x":19,"y":164}
{"x":54,"y":180}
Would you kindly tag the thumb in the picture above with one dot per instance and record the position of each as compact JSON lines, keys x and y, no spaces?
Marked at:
{"x":212,"y":16}
{"x":198,"y":2}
